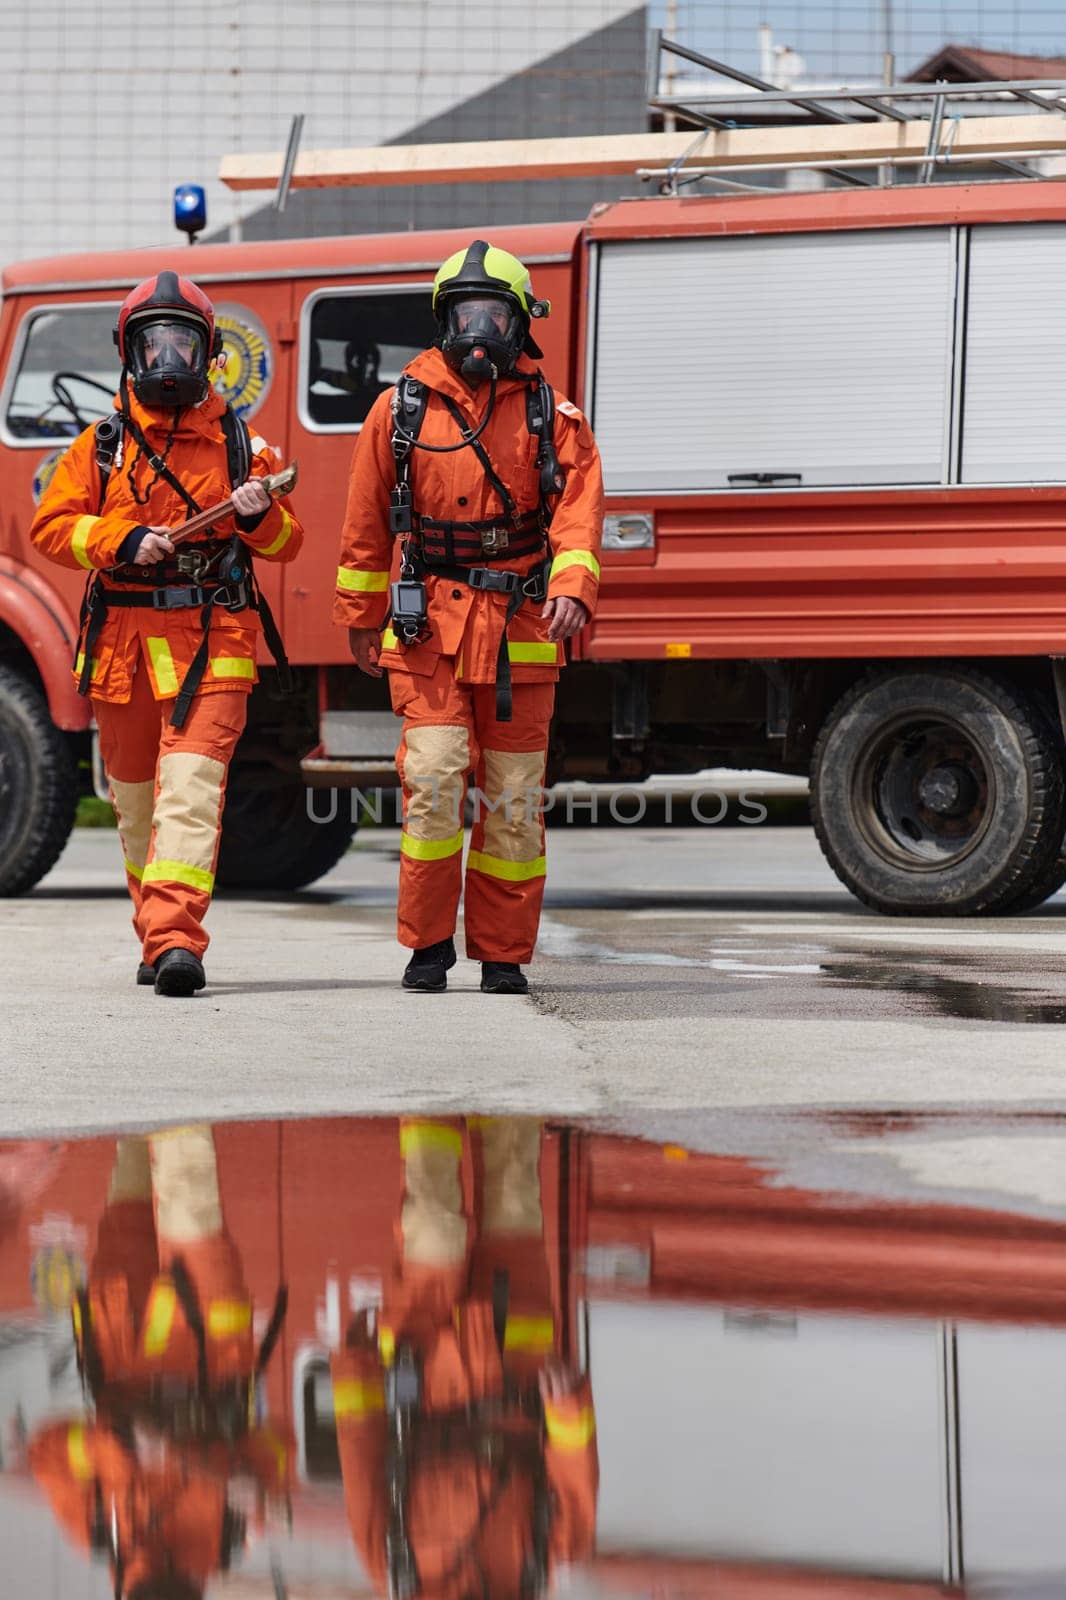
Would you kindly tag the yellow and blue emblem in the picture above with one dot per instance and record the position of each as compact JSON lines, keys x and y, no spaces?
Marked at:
{"x":244,"y":381}
{"x":45,"y":472}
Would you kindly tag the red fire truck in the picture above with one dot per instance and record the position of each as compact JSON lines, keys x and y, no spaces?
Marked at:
{"x":836,"y":523}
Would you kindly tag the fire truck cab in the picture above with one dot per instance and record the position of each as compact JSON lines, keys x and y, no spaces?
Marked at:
{"x":835,"y":539}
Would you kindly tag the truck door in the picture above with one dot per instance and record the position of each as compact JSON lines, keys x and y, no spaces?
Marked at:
{"x":354,"y":340}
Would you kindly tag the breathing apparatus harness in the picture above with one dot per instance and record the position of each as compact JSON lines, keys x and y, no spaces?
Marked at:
{"x":479,"y":1432}
{"x":447,"y":548}
{"x":210,"y":573}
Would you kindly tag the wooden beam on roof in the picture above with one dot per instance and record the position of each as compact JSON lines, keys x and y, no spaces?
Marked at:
{"x":606,"y":155}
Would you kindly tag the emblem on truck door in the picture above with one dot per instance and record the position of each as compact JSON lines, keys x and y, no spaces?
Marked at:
{"x":245,"y":380}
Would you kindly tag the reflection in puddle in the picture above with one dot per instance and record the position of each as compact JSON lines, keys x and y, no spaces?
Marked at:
{"x":492,"y":1356}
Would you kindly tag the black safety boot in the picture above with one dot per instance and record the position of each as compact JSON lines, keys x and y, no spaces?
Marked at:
{"x":503,"y":977}
{"x":145,"y":974}
{"x":427,"y":969}
{"x":178,"y":972}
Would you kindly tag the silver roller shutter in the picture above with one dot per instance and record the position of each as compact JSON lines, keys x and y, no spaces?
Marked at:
{"x":1014,"y":416}
{"x":823,"y":355}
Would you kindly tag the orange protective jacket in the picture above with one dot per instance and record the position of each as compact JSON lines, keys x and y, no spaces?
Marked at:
{"x":138,"y":1330}
{"x":457,"y":1544}
{"x":72,"y":528}
{"x":467,"y":624}
{"x":168,"y":1519}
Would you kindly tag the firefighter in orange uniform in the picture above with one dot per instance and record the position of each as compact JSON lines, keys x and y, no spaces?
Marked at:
{"x":168,"y":641}
{"x":168,"y":1464}
{"x":467,"y":1446}
{"x":490,"y":483}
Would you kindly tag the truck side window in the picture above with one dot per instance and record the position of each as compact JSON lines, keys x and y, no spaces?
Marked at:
{"x":356,"y":345}
{"x":67,"y":373}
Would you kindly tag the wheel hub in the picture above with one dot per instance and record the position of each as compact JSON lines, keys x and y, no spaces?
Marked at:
{"x":925,"y":792}
{"x":948,"y":790}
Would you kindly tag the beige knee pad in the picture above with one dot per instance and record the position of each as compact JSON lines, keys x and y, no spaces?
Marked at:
{"x":131,"y":1175}
{"x":435,"y":765}
{"x":185,"y":1181}
{"x":134,"y":804}
{"x":432,"y":1221}
{"x":511,"y":1163}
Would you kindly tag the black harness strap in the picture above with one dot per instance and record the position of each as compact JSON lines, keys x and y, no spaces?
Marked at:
{"x":500,"y":488}
{"x":186,"y":1293}
{"x":97,"y":600}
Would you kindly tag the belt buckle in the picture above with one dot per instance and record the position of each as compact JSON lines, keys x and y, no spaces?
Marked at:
{"x":494,"y":582}
{"x":178,"y":597}
{"x":493,"y":540}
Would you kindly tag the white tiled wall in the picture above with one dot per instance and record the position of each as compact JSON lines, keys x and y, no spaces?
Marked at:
{"x":106,"y":105}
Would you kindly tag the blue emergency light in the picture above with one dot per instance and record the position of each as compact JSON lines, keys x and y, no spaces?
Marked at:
{"x":190,"y":209}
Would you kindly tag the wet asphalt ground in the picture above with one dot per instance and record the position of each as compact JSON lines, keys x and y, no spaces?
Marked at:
{"x":681,"y":971}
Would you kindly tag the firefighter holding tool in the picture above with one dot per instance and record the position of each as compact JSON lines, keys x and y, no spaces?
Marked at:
{"x":167,"y":649}
{"x":168,"y":1467}
{"x":481,"y":486}
{"x":466,"y":1439}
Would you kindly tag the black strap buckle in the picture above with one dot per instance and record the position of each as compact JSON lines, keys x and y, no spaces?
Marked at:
{"x":178,"y":597}
{"x":496,"y":582}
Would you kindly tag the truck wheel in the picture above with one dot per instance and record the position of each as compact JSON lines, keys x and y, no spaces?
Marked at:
{"x":1047,"y":884}
{"x":270,"y":842}
{"x":38,"y":785}
{"x":938,"y":792}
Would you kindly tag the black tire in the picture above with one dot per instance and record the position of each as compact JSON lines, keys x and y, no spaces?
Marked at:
{"x":1046,"y":884}
{"x":270,"y":842}
{"x":38,"y":785}
{"x":938,"y":792}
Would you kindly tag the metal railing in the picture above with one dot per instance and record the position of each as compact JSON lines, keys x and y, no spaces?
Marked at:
{"x":719,"y":109}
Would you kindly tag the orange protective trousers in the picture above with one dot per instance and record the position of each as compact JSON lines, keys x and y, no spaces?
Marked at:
{"x":168,"y":786}
{"x":450,"y":731}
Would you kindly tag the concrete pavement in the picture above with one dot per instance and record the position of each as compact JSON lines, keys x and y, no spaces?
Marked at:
{"x":680,"y":969}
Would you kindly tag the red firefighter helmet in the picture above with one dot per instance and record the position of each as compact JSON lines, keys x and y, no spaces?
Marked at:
{"x":166,"y":336}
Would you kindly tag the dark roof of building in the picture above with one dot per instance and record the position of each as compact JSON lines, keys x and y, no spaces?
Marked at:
{"x":963,"y":63}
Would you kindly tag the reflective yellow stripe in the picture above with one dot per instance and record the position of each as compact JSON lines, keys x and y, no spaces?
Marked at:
{"x":389,"y":640}
{"x":281,"y":1454}
{"x":232,"y":667}
{"x":282,"y":539}
{"x":159,"y":1319}
{"x":75,"y":1313}
{"x":431,"y":849}
{"x":78,"y":1453}
{"x":79,"y":665}
{"x":387,"y":1346}
{"x":362,"y":582}
{"x":163,"y":666}
{"x":565,"y":1434}
{"x":227,"y":1317}
{"x":354,"y":1399}
{"x":178,"y":872}
{"x":574,"y":558}
{"x":529,"y":1333}
{"x":512,"y":871}
{"x":79,"y":539}
{"x":543,"y":654}
{"x":433,"y":1135}
{"x":135,"y":871}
